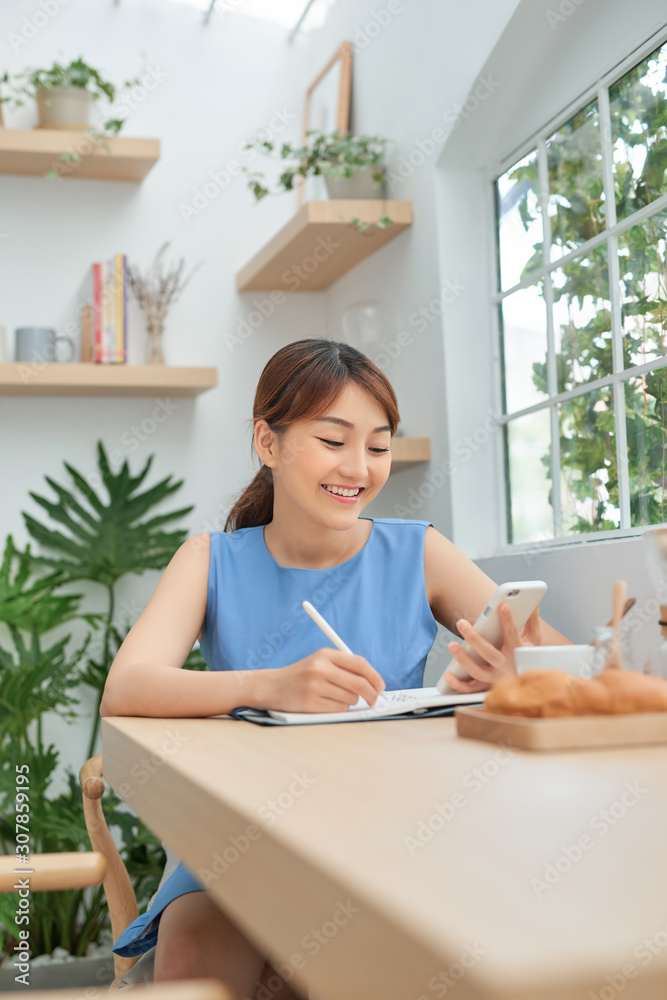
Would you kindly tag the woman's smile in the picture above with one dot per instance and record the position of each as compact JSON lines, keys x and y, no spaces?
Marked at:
{"x":343,"y":494}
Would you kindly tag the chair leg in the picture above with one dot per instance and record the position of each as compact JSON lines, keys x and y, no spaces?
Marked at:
{"x":117,"y":884}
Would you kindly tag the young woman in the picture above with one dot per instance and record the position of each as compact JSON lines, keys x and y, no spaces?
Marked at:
{"x":323,"y":417}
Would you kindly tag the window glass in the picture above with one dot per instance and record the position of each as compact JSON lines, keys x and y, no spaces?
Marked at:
{"x":643,"y":292}
{"x":645,"y":414}
{"x":589,"y":477}
{"x":574,"y":320}
{"x":582,"y":320}
{"x":519,"y":221}
{"x":576,"y":188}
{"x":524,"y":337}
{"x":638,"y":107}
{"x":529,"y":473}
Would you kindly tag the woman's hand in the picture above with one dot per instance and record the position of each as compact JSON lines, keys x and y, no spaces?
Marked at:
{"x":326,"y":681}
{"x":498,"y":662}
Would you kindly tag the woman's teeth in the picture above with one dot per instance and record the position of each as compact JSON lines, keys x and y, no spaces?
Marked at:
{"x":342,"y":492}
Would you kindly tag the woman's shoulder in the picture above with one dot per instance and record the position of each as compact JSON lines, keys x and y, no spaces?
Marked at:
{"x":237,"y":546}
{"x":238,"y":537}
{"x":194,"y":548}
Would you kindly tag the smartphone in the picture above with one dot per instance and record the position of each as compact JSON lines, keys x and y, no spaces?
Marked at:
{"x":523,"y":597}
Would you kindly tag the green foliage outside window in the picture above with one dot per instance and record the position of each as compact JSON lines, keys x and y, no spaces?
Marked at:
{"x":587,"y":299}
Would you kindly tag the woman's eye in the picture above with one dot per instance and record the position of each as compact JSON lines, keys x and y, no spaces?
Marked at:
{"x":339,"y":444}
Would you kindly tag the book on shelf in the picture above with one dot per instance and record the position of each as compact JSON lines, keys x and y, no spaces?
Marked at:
{"x":103,"y":312}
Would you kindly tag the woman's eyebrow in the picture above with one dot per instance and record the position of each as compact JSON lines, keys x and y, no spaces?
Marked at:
{"x":346,"y":423}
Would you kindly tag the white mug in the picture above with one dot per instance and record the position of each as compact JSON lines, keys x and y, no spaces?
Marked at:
{"x":575,"y":660}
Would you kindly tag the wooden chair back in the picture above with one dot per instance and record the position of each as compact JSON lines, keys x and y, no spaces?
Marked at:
{"x":77,"y":870}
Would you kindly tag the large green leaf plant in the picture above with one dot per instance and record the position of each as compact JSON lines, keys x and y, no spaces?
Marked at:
{"x":97,"y":536}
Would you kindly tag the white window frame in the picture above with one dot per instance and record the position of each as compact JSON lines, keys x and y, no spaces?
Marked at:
{"x":609,"y":237}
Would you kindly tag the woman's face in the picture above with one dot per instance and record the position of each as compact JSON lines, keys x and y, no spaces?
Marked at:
{"x":331,"y":467}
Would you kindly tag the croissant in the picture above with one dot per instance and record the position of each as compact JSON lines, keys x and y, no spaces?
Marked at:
{"x":550,"y":693}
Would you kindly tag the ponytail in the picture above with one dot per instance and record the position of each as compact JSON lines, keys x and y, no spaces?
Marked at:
{"x":300,"y":382}
{"x":254,"y":506}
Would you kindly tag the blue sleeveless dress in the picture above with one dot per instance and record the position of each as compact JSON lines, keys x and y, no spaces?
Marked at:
{"x":376,"y":601}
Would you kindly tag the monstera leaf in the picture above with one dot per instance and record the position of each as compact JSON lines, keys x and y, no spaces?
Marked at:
{"x":35,"y":680}
{"x":64,"y":826}
{"x":105,"y":538}
{"x":41,"y":762}
{"x":27,"y":602}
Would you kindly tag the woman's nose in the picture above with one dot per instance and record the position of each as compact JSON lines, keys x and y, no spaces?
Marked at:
{"x":354,"y":466}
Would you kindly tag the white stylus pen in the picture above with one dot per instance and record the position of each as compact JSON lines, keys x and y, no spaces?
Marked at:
{"x":334,"y":637}
{"x":325,"y":626}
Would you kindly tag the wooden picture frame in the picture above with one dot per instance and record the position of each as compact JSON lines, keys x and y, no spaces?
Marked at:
{"x":327,"y":105}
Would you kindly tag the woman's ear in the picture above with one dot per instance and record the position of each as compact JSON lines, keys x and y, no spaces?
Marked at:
{"x":265,"y":443}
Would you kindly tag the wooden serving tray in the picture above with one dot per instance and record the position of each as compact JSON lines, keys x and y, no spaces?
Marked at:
{"x":578,"y":732}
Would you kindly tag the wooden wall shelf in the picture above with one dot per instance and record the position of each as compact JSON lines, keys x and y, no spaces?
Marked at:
{"x":406,"y":452}
{"x":321,"y":243}
{"x":34,"y":152}
{"x":25,"y":379}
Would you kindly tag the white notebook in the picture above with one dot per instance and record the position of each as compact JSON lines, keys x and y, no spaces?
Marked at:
{"x":416,"y":701}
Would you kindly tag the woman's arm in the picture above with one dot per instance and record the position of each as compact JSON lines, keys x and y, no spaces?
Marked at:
{"x":455,"y":587}
{"x":457,"y":592}
{"x":145,"y":678}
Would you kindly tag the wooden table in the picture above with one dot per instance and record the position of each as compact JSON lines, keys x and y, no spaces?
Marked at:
{"x":394,"y":861}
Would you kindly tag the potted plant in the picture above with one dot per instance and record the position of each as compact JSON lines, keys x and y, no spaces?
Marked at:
{"x":65,"y":95}
{"x":352,"y":165}
{"x":97,"y":536}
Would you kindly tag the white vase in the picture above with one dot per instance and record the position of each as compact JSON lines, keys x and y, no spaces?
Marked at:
{"x":359,"y":185}
{"x":65,"y":108}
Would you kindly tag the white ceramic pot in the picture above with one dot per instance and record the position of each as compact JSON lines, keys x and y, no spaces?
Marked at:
{"x":359,"y":185}
{"x":62,"y":971}
{"x":65,"y":107}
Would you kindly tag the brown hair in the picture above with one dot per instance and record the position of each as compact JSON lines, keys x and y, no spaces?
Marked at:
{"x":300,"y":382}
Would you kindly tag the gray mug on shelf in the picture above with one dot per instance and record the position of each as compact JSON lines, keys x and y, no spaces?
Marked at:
{"x":39,"y":343}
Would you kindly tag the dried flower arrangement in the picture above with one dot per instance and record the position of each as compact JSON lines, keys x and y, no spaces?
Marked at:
{"x":155,"y":292}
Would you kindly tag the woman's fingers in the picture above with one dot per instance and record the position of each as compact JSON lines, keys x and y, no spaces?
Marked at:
{"x":346,"y":688}
{"x":484,"y":673}
{"x":498,"y":662}
{"x":465,"y":687}
{"x":486,"y":650}
{"x":511,"y":636}
{"x":355,"y":674}
{"x":531,"y":634}
{"x":347,"y":677}
{"x":358,"y":667}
